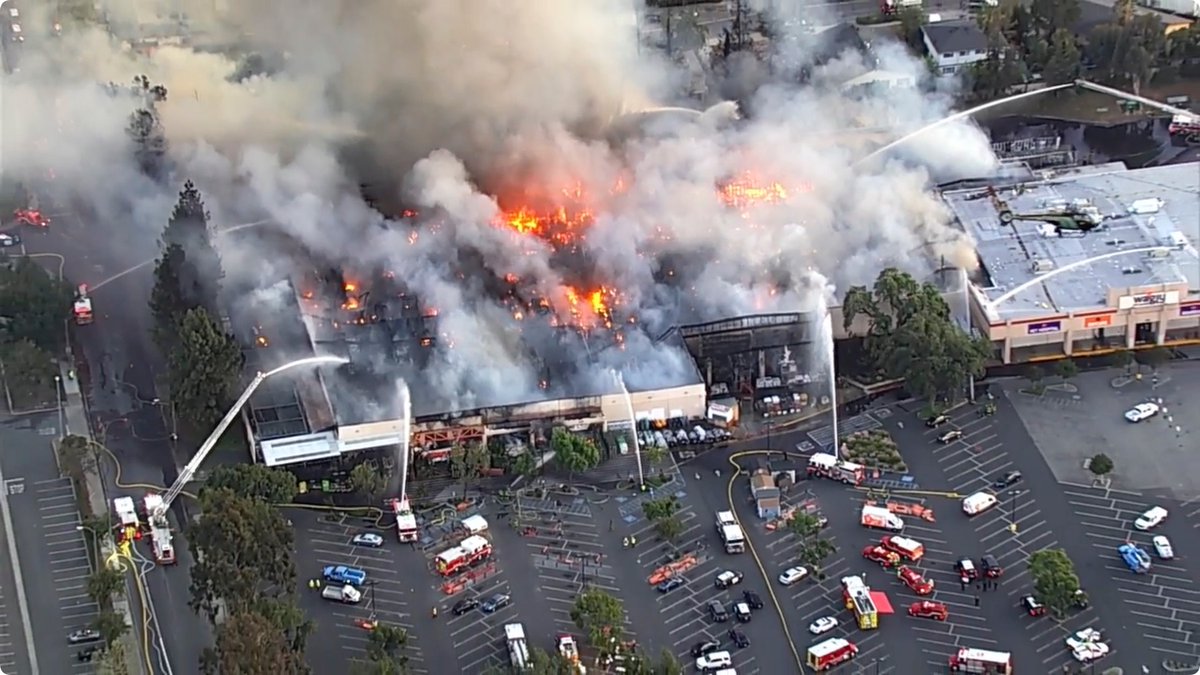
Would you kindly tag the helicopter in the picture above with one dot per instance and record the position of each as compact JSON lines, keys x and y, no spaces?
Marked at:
{"x":1069,"y":219}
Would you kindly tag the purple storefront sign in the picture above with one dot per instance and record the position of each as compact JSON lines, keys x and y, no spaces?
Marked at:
{"x":1189,"y":310}
{"x":1044,"y":327}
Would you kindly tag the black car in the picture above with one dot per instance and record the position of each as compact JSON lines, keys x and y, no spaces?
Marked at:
{"x":84,"y":635}
{"x":716,"y":611}
{"x":739,"y":638}
{"x":937,"y":421}
{"x":670,"y":584}
{"x":495,"y":603}
{"x":1007,"y":480}
{"x":465,"y":605}
{"x":86,"y":655}
{"x":1081,"y":599}
{"x":706,"y":647}
{"x":751,"y":598}
{"x":991,"y":567}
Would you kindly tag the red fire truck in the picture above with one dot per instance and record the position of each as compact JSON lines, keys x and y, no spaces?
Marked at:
{"x":472,"y":551}
{"x":831,"y":652}
{"x":827,"y":466}
{"x":1185,"y":125}
{"x":406,"y":521}
{"x":31,"y":217}
{"x":983,"y":661}
{"x":160,"y":530}
{"x":83,"y":306}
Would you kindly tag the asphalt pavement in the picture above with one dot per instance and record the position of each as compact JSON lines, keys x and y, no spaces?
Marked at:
{"x":53,"y":552}
{"x":117,"y":367}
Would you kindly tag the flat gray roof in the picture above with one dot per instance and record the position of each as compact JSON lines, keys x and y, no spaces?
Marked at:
{"x":1009,"y":253}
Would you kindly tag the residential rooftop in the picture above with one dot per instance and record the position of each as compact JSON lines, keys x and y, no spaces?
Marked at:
{"x":950,"y":37}
{"x":1011,"y":255}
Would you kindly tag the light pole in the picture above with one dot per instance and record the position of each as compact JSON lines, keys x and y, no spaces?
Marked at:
{"x":1012,"y":510}
{"x":62,"y":430}
{"x":637,"y":446}
{"x":209,"y":443}
{"x":95,"y":541}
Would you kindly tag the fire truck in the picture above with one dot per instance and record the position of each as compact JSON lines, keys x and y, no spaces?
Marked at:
{"x":32,"y":217}
{"x":1185,"y":125}
{"x":857,"y":596}
{"x":472,"y":551}
{"x":831,"y":652}
{"x":406,"y":522}
{"x":827,"y":466}
{"x":83,"y":306}
{"x":982,"y":661}
{"x":569,"y":651}
{"x":127,"y":519}
{"x":160,"y":530}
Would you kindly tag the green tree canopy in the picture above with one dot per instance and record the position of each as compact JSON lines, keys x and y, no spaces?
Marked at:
{"x":1063,"y":61}
{"x":203,"y":370}
{"x":110,"y":625}
{"x":34,"y":306}
{"x":29,"y":372}
{"x":104,"y":583}
{"x":248,"y":643}
{"x":189,"y":229}
{"x":113,"y":660}
{"x":661,"y":508}
{"x":912,"y":335}
{"x":387,"y":642}
{"x":670,"y":528}
{"x":367,"y":480}
{"x":176,"y":291}
{"x":1054,"y":579}
{"x":245,"y":553}
{"x":1152,"y":358}
{"x":1101,"y":465}
{"x":254,"y":481}
{"x":288,"y":618}
{"x":600,"y":616}
{"x":1066,"y":369}
{"x":469,"y":462}
{"x":573,"y":452}
{"x":814,"y":552}
{"x":668,"y":664}
{"x":804,"y":524}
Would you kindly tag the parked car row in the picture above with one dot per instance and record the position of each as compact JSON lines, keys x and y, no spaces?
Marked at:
{"x":678,"y":432}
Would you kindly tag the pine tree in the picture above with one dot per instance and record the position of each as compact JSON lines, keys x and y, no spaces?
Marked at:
{"x":149,"y":141}
{"x":188,"y":229}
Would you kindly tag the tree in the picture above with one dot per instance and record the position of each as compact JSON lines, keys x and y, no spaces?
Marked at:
{"x":573,"y":453}
{"x":104,"y":583}
{"x":600,"y":616}
{"x":1152,"y":358}
{"x":1054,"y":580}
{"x":380,"y":667}
{"x":804,"y":525}
{"x":29,"y":372}
{"x":668,"y":664}
{"x":1066,"y":369}
{"x":113,"y":660}
{"x":287,"y":618}
{"x":387,"y":641}
{"x":149,"y":142}
{"x":1122,"y":358}
{"x":189,"y":230}
{"x":34,"y":305}
{"x":912,"y":19}
{"x":254,"y":481}
{"x":78,"y":11}
{"x":110,"y":625}
{"x":469,"y":462}
{"x":245,"y":553}
{"x":1064,"y":61}
{"x":814,"y":551}
{"x":1004,"y":65}
{"x":1101,"y":465}
{"x":1035,"y":375}
{"x":248,"y":643}
{"x":78,"y":456}
{"x":367,"y":480}
{"x":912,"y":335}
{"x":524,"y":464}
{"x":203,"y":370}
{"x":660,"y":509}
{"x":176,"y":291}
{"x":653,"y":453}
{"x":670,"y":528}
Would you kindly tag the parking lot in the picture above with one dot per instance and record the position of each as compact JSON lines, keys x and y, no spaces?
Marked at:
{"x":1165,"y":603}
{"x":325,"y":540}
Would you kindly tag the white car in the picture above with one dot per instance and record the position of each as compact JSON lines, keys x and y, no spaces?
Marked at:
{"x":1162,"y":546}
{"x":791,"y":575}
{"x":367,"y":539}
{"x":1151,"y":519}
{"x":1083,"y":638}
{"x":7,"y":240}
{"x":728,"y":578}
{"x":823,"y":625}
{"x":1141,"y":411}
{"x":714,"y":661}
{"x":1089,"y":652}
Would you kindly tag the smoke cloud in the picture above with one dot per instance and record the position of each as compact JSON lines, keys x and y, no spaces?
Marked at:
{"x":462,"y":111}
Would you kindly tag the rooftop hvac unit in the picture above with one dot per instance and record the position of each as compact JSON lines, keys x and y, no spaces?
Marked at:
{"x":1042,"y":265}
{"x":1131,"y":270}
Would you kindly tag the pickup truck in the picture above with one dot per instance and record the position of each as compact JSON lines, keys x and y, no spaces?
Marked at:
{"x":347,"y":594}
{"x":341,"y":574}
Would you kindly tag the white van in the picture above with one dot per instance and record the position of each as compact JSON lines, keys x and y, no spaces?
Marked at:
{"x":714,"y":661}
{"x":977,"y":503}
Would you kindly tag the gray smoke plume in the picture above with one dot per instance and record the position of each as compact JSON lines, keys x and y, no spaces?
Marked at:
{"x":461,"y":110}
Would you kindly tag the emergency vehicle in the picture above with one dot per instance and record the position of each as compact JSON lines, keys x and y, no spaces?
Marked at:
{"x":31,"y":217}
{"x":969,"y":660}
{"x":127,"y":519}
{"x":825,"y":465}
{"x":911,"y":549}
{"x":406,"y":521}
{"x":83,"y":306}
{"x":160,"y":530}
{"x":857,"y":597}
{"x":473,"y":550}
{"x":825,"y":655}
{"x":518,"y":649}
{"x":1184,"y":125}
{"x":569,"y":651}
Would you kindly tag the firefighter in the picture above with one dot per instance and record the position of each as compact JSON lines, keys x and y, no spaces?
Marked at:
{"x":435,"y":611}
{"x":625,"y":542}
{"x":632,"y":541}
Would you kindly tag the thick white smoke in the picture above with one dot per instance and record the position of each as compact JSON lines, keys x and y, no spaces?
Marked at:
{"x":459,"y":110}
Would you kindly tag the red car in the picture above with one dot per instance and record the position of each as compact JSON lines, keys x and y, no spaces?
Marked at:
{"x":913,"y":579}
{"x":31,"y":217}
{"x":881,"y":555}
{"x":929,"y":609}
{"x":966,"y":569}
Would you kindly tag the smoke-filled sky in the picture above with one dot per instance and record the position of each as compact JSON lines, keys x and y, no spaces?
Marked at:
{"x":463,"y":110}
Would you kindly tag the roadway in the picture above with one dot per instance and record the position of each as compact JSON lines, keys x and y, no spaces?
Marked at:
{"x":117,"y":365}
